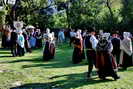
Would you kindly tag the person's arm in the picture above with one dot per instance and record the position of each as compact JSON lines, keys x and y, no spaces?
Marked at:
{"x":94,"y":42}
{"x":110,"y":47}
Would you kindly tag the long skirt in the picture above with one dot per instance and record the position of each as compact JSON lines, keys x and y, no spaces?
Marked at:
{"x":32,"y":42}
{"x":13,"y":48}
{"x":39,"y":43}
{"x":27,"y":46}
{"x":52,"y":50}
{"x":77,"y":55}
{"x":20,"y":51}
{"x":46,"y":52}
{"x":105,"y":63}
{"x":126,"y":61}
{"x":83,"y":54}
{"x":4,"y":41}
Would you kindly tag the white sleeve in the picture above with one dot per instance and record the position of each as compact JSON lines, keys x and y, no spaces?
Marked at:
{"x":94,"y":42}
{"x":131,"y":47}
{"x":111,"y":47}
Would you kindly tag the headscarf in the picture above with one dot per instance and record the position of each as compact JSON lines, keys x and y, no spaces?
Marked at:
{"x":126,"y":34}
{"x":126,"y":44}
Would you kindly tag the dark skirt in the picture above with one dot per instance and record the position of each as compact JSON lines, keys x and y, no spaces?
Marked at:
{"x":71,"y":40}
{"x":46,"y":52}
{"x":39,"y":43}
{"x":127,"y":61}
{"x":52,"y":50}
{"x":27,"y":46}
{"x":83,"y":54}
{"x":105,"y":63}
{"x":77,"y":55}
{"x":20,"y":51}
{"x":4,"y":41}
{"x":13,"y":48}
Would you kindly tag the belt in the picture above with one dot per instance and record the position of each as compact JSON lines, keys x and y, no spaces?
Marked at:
{"x":90,"y":49}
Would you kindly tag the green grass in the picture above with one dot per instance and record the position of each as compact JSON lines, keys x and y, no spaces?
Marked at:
{"x":59,"y":73}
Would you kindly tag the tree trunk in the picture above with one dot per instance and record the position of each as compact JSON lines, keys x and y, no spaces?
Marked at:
{"x":111,"y":13}
{"x":109,"y":7}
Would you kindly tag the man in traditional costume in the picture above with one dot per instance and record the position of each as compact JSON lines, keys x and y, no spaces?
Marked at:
{"x":116,"y":47}
{"x":72,"y":36}
{"x":126,"y":51}
{"x":105,"y":63}
{"x":61,"y":36}
{"x":38,"y":38}
{"x":14,"y":43}
{"x":90,"y":44}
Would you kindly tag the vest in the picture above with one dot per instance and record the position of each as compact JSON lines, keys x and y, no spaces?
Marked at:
{"x":88,"y":43}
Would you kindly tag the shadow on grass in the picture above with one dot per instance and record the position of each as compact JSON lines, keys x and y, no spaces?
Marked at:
{"x":56,"y":64}
{"x":75,"y":76}
{"x":5,"y":56}
{"x":34,"y":86}
{"x":35,"y":60}
{"x":125,"y":70}
{"x":71,"y":81}
{"x":61,"y":61}
{"x":4,"y":48}
{"x":5,"y":52}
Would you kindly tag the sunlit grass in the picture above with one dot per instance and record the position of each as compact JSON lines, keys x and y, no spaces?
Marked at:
{"x":32,"y":72}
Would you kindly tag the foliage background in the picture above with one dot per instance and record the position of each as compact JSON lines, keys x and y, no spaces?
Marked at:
{"x":101,"y":14}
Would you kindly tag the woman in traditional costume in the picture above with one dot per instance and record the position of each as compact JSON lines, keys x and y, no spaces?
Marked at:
{"x":27,"y":44}
{"x":126,"y":51}
{"x":46,"y":52}
{"x":38,"y":39}
{"x":4,"y":39}
{"x":78,"y":49}
{"x":49,"y":50}
{"x":8,"y":36}
{"x":32,"y":39}
{"x":105,"y":63}
{"x":52,"y":45}
{"x":20,"y":43}
{"x":82,"y":43}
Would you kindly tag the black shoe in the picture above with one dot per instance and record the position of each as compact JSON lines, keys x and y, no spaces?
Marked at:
{"x":88,"y":76}
{"x":118,"y":77}
{"x":102,"y":77}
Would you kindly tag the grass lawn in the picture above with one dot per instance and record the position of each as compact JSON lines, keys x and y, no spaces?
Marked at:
{"x":30,"y":72}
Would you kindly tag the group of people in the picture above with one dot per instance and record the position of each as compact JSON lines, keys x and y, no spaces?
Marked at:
{"x":106,"y":51}
{"x":21,"y":41}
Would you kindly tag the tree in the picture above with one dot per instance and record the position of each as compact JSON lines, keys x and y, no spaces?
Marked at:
{"x":83,"y":14}
{"x":127,"y":14}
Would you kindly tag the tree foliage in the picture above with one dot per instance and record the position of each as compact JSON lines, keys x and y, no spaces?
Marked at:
{"x":101,"y":14}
